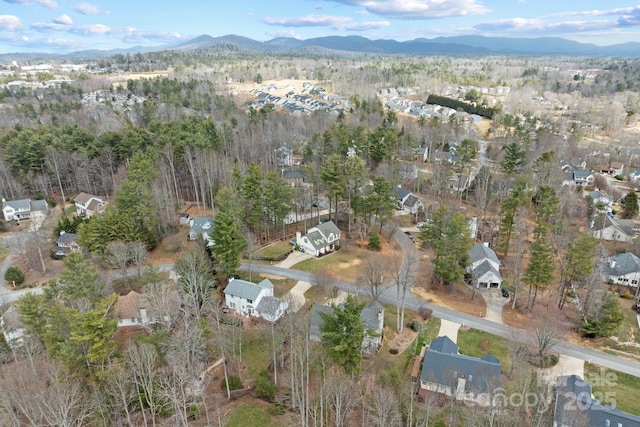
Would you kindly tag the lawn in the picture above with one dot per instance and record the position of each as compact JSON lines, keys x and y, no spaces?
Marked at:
{"x":249,"y":414}
{"x":475,"y":343}
{"x":614,"y":387}
{"x":273,"y":251}
{"x":428,"y":333}
{"x":629,"y":328}
{"x":256,"y":353}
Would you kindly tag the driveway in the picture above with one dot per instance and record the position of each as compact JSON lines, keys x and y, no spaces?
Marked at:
{"x":495,"y":301}
{"x":296,"y":295}
{"x":449,"y":329}
{"x":294,"y":258}
{"x":566,"y":365}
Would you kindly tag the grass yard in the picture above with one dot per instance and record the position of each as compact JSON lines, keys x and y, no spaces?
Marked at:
{"x":428,"y":333}
{"x":628,"y":330}
{"x":273,"y":251}
{"x":475,"y":343}
{"x":249,"y":414}
{"x":256,"y":354}
{"x":614,"y":387}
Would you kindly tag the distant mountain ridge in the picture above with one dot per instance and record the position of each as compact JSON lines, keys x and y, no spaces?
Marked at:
{"x":357,"y":44}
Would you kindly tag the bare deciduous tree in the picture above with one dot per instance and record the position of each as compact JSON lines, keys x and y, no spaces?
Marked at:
{"x":371,"y":274}
{"x":404,"y":269}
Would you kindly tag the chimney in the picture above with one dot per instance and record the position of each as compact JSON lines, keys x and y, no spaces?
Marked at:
{"x":298,"y":237}
{"x":62,"y":232}
{"x":143,"y":316}
{"x":486,"y":244}
{"x":612,"y":263}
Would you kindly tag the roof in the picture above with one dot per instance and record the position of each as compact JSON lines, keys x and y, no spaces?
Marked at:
{"x":369,"y":315}
{"x":246,"y":290}
{"x":316,"y":320}
{"x":269,"y":305}
{"x":411,"y":201}
{"x":94,"y":205}
{"x":625,"y":226}
{"x":327,"y":228}
{"x":441,"y":365}
{"x":26,"y":204}
{"x":597,"y":194}
{"x":201,"y":223}
{"x":574,"y":394}
{"x":481,"y":251}
{"x":38,"y":205}
{"x":625,"y":263}
{"x":128,"y":306}
{"x":83,"y":198}
{"x":66,"y":239}
{"x":484,"y":268}
{"x":400,"y":192}
{"x":293,"y":174}
{"x":582,"y":174}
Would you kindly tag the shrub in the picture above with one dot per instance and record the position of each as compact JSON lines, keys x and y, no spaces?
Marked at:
{"x":14,"y":274}
{"x":415,"y":326}
{"x":374,"y":241}
{"x":264,"y":386}
{"x":52,"y":202}
{"x":393,"y":350}
{"x":626,"y":295}
{"x":425,"y":312}
{"x":235,"y":383}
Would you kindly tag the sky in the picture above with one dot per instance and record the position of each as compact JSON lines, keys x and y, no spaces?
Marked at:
{"x":60,"y":26}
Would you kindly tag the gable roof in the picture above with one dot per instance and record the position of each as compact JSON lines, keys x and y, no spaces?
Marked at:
{"x":572,"y":389}
{"x":84,"y":198}
{"x":201,"y":223}
{"x":411,"y":201}
{"x":246,"y":290}
{"x":369,"y":315}
{"x":128,"y":306}
{"x":316,"y":319}
{"x":293,"y":174}
{"x":597,"y":194}
{"x":480,"y":251}
{"x":269,"y":305}
{"x":582,"y":174}
{"x":624,"y":263}
{"x":327,"y":228}
{"x":66,"y":239}
{"x":484,"y":268}
{"x":400,"y":192}
{"x":625,"y":226}
{"x":445,"y":367}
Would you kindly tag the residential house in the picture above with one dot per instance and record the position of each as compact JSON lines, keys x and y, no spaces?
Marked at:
{"x":88,"y":204}
{"x":283,"y":157}
{"x":612,"y":168}
{"x":570,"y":165}
{"x":249,"y":299}
{"x":604,"y":200}
{"x":465,"y":378}
{"x":575,"y":406}
{"x":441,"y":157}
{"x":634,"y":176}
{"x":372,"y":316}
{"x":184,"y":218}
{"x":423,"y":153}
{"x":130,"y":310}
{"x":623,"y":269}
{"x":607,"y":228}
{"x":200,"y":227}
{"x":407,"y":201}
{"x":24,"y":209}
{"x":321,"y":239}
{"x":293,"y":177}
{"x":485,"y":267}
{"x":66,"y":243}
{"x":584,"y":178}
{"x":12,"y":327}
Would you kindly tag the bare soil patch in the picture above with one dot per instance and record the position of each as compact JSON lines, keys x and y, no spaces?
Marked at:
{"x":402,"y":341}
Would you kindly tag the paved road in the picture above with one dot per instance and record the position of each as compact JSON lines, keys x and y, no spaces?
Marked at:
{"x":414,"y":303}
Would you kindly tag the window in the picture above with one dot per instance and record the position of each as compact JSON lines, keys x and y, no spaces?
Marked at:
{"x":250,"y":301}
{"x":607,"y":423}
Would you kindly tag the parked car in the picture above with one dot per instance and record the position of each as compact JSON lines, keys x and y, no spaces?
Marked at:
{"x":505,"y":293}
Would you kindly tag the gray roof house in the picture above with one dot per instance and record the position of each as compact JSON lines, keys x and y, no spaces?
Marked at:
{"x":12,"y":327}
{"x":605,"y":199}
{"x":607,"y":228}
{"x":466,"y":378}
{"x":249,"y":299}
{"x":372,"y":316}
{"x":583,"y":178}
{"x":88,"y":204}
{"x":407,"y":201}
{"x":485,"y":267}
{"x":634,"y":175}
{"x":294,"y":177}
{"x":321,"y":239}
{"x":200,"y":226}
{"x":623,"y":269}
{"x":66,"y":243}
{"x":575,"y":406}
{"x":23,"y":209}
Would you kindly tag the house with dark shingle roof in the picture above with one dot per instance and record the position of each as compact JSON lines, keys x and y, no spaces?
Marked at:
{"x":88,"y":204}
{"x":576,"y":406}
{"x":485,"y":267}
{"x":249,"y":299}
{"x":294,"y":177}
{"x":66,"y":243}
{"x":584,"y":178}
{"x":446,"y":371}
{"x":23,"y":209}
{"x":372,"y":316}
{"x":407,"y":201}
{"x":605,"y":200}
{"x":623,"y":269}
{"x":321,"y":239}
{"x":607,"y":228}
{"x":200,"y":226}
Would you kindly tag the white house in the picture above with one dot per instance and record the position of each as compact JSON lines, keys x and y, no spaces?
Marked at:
{"x":407,"y":201}
{"x":66,"y":243}
{"x":607,"y":228}
{"x":623,"y":269}
{"x":584,"y":178}
{"x":200,"y":226}
{"x":249,"y":299}
{"x":23,"y":209}
{"x":88,"y":204}
{"x":485,"y":267}
{"x":12,"y":328}
{"x":634,"y":176}
{"x":321,"y":239}
{"x":466,"y":378}
{"x":604,"y":199}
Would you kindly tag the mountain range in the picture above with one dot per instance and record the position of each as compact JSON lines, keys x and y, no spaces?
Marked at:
{"x":356,"y":44}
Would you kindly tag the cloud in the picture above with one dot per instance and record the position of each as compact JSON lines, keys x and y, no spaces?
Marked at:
{"x":540,"y":28}
{"x":136,"y":35}
{"x":45,"y":3}
{"x":595,"y":12}
{"x":63,"y":20}
{"x":286,"y":33}
{"x":10,"y":23}
{"x":90,"y":9}
{"x":341,"y":23}
{"x":419,"y":9}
